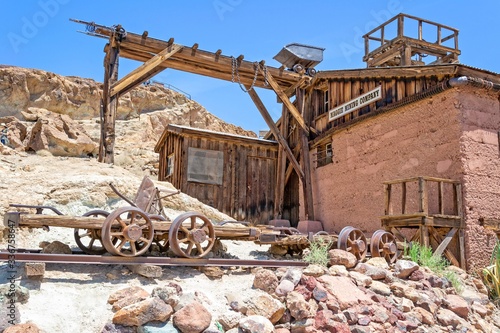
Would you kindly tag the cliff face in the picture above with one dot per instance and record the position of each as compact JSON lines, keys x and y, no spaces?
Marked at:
{"x":80,"y":98}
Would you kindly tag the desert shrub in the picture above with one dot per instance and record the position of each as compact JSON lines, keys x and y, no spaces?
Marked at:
{"x":423,"y":256}
{"x":318,"y":252}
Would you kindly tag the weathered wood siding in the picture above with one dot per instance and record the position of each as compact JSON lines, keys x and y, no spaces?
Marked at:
{"x":249,"y":175}
{"x":342,"y":90}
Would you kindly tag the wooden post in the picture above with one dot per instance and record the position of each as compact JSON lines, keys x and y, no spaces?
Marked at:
{"x":305,"y":158}
{"x":109,"y":103}
{"x":281,"y":168}
{"x":403,"y":198}
{"x":388,"y":205}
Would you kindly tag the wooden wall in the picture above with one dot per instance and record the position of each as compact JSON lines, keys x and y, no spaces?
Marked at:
{"x":342,"y":90}
{"x":249,"y":174}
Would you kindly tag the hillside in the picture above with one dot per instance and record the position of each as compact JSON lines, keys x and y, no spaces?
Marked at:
{"x":346,"y":296}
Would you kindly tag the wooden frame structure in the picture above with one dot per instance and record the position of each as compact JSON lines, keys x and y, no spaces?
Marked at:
{"x":433,"y":228}
{"x":158,"y":55}
{"x":248,"y":170}
{"x":398,"y":50}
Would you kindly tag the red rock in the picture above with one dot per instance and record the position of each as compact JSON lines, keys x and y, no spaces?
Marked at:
{"x":416,"y":275}
{"x":192,"y":318}
{"x":309,"y":282}
{"x":137,"y":314}
{"x":341,"y":257}
{"x":266,"y":280}
{"x":458,"y":305}
{"x":304,"y":292}
{"x":127,"y":292}
{"x":342,"y":288}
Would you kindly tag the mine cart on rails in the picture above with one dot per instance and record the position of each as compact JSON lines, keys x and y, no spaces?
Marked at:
{"x":131,"y":231}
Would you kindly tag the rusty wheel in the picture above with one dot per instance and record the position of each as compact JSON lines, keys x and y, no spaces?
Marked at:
{"x":383,"y":244}
{"x":353,"y":240}
{"x":89,"y":240}
{"x":191,"y":235}
{"x":127,"y":232}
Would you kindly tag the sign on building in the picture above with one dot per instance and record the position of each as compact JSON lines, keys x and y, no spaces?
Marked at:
{"x":354,"y":104}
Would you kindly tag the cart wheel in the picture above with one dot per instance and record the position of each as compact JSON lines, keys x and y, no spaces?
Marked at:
{"x":127,"y":232}
{"x":353,"y":240}
{"x":89,"y":240}
{"x":192,"y":239}
{"x":160,"y":238}
{"x":383,"y":244}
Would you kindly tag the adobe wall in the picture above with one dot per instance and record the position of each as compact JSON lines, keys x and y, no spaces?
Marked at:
{"x":421,"y":139}
{"x":479,"y":143}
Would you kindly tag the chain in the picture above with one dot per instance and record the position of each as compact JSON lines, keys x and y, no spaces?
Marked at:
{"x":234,"y":70}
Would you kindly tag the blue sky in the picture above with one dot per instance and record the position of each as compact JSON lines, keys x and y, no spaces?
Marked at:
{"x":38,"y":34}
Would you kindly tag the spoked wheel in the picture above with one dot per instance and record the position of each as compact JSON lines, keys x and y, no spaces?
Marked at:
{"x":191,"y":235}
{"x":127,"y":232}
{"x":89,"y":240}
{"x":353,"y":240}
{"x":383,"y":244}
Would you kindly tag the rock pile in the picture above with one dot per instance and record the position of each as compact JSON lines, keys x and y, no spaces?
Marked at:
{"x":346,"y":297}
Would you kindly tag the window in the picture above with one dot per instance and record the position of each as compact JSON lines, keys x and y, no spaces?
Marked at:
{"x":324,"y":155}
{"x":170,"y":165}
{"x":205,"y":166}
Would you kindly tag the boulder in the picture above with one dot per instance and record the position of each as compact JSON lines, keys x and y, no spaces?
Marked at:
{"x":374,"y":272}
{"x":21,"y":293}
{"x":112,"y":328}
{"x":457,"y":304}
{"x":266,"y":280}
{"x":294,"y":275}
{"x":378,"y":262}
{"x":314,"y":270}
{"x":344,"y":291}
{"x":266,"y":306}
{"x":230,"y":319}
{"x":14,"y":130}
{"x":298,"y":306}
{"x":380,"y":288}
{"x":61,"y":136}
{"x":404,"y":268}
{"x":149,"y":271}
{"x":57,"y":247}
{"x":341,"y":257}
{"x":137,"y":314}
{"x":170,"y":293}
{"x":284,"y":287}
{"x":448,"y":318}
{"x":425,"y":316}
{"x":135,"y":291}
{"x":256,"y":324}
{"x":360,"y":279}
{"x":192,"y":318}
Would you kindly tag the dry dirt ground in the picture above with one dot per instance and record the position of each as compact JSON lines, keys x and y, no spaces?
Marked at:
{"x":73,"y":298}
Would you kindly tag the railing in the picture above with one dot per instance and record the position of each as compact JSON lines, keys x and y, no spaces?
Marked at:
{"x":169,"y":86}
{"x":379,"y":34}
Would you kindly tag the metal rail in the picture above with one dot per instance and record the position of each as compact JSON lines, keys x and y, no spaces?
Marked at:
{"x":22,"y":255}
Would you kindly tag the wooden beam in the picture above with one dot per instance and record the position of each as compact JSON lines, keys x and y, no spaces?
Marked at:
{"x":109,"y":103}
{"x":272,"y":126}
{"x":446,"y":241}
{"x":140,"y":74}
{"x":284,"y":98}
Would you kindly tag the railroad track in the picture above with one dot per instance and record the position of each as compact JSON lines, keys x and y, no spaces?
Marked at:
{"x":28,"y":255}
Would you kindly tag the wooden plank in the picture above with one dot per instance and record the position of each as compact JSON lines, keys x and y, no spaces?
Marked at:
{"x":281,"y":168}
{"x":434,"y":241}
{"x":403,"y":198}
{"x":272,"y":126}
{"x":441,"y":197}
{"x":422,"y":193}
{"x":144,"y":71}
{"x":445,"y":242}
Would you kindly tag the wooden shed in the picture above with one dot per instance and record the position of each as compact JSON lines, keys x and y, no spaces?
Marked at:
{"x":234,"y":174}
